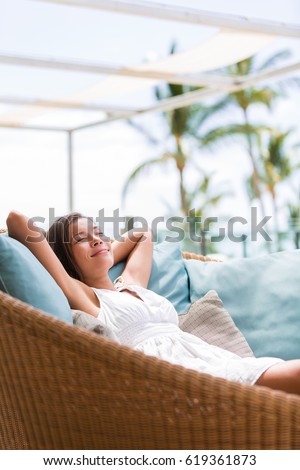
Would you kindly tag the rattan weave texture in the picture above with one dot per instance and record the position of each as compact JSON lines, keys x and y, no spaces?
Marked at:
{"x":65,"y":388}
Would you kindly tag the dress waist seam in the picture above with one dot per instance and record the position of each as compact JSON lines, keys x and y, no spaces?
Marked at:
{"x":138,"y":333}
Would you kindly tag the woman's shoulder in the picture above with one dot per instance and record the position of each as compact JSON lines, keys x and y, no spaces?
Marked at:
{"x":143,"y":292}
{"x":121,"y":284}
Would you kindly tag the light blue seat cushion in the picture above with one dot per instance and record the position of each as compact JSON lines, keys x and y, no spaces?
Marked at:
{"x":262,"y":295}
{"x":23,"y":277}
{"x":168,"y":276}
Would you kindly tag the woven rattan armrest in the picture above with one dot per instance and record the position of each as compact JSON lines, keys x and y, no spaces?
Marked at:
{"x":65,"y":388}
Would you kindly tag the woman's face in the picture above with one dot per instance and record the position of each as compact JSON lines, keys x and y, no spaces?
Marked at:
{"x":90,"y":248}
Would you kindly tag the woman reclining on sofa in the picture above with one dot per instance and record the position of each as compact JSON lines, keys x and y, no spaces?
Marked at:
{"x":79,"y":261}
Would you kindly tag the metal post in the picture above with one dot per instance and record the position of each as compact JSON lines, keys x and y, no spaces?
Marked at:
{"x":244,"y":241}
{"x":70,"y":170}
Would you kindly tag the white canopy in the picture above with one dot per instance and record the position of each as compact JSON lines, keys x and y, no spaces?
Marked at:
{"x":116,"y":92}
{"x":234,"y":40}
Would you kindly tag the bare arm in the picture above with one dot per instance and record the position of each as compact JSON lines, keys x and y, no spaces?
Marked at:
{"x":137,"y":247}
{"x":78,"y":294}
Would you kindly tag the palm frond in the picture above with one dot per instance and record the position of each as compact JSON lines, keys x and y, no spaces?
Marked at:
{"x":250,"y":188}
{"x":273,"y":60}
{"x":245,"y":67}
{"x":214,"y":201}
{"x":145,"y":132}
{"x":199,"y":114}
{"x":250,"y":96}
{"x":173,"y":48}
{"x":220,"y":135}
{"x":239,"y":68}
{"x":265,"y":96}
{"x":144,"y":167}
{"x":160,"y":93}
{"x":175,"y":89}
{"x":286,"y":84}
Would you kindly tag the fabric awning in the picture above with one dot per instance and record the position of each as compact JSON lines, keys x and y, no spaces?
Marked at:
{"x":195,"y":66}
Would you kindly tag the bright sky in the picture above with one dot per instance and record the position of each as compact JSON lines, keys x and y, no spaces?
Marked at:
{"x":33,"y":174}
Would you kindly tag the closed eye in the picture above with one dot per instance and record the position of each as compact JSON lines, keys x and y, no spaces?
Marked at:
{"x":80,"y":239}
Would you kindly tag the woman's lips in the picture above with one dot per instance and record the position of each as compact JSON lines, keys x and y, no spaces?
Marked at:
{"x":100,"y":252}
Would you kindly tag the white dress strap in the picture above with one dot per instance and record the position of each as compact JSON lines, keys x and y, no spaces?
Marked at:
{"x":119,"y":283}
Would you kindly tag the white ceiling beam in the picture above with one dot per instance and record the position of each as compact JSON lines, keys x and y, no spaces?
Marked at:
{"x":187,"y":99}
{"x":40,"y":102}
{"x":186,"y":15}
{"x":269,"y":74}
{"x":11,"y":125}
{"x":102,"y":69}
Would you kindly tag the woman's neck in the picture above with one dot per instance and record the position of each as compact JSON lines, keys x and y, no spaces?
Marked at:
{"x":104,"y":282}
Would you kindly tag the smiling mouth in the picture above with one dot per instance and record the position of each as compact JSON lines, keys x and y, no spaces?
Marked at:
{"x":100,"y":252}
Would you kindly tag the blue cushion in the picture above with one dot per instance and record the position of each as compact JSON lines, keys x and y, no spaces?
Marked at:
{"x":24,"y":277}
{"x":262,"y":294}
{"x":168,"y":276}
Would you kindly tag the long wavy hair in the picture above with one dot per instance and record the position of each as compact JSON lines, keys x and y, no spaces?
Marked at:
{"x":58,"y":237}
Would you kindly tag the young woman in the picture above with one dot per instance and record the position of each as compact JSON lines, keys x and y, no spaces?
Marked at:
{"x":79,"y":256}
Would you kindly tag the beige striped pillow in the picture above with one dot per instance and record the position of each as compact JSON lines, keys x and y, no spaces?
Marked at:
{"x":208,"y":319}
{"x":88,"y":322}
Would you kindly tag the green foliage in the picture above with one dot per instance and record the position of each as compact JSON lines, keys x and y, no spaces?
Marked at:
{"x":264,"y":173}
{"x":192,"y":127}
{"x":184,"y":126}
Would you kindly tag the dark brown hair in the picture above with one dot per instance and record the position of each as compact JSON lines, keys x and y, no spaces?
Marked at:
{"x":59,"y":239}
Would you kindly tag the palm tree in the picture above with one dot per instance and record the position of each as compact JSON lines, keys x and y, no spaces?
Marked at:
{"x":278,"y":166}
{"x":245,"y":100}
{"x":183,"y":125}
{"x":294,"y":221}
{"x":203,"y":199}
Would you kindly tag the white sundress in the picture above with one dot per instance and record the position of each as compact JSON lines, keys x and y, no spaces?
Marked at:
{"x":150,"y":325}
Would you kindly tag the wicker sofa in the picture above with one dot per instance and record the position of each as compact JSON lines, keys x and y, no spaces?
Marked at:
{"x":62,"y":387}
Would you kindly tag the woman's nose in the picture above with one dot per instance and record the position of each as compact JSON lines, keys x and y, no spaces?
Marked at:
{"x":96,"y":241}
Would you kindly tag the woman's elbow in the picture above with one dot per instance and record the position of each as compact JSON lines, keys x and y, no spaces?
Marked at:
{"x":12,"y":218}
{"x":15,"y":222}
{"x":139,"y":236}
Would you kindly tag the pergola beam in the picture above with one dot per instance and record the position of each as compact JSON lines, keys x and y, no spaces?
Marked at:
{"x":57,"y":104}
{"x":28,"y":127}
{"x":169,"y":104}
{"x":103,"y":69}
{"x":187,"y":99}
{"x":186,"y":15}
{"x":225,"y":84}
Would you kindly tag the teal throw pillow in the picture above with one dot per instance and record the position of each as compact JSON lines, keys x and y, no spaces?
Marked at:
{"x":23,"y":277}
{"x":262,"y":295}
{"x":168,"y":276}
